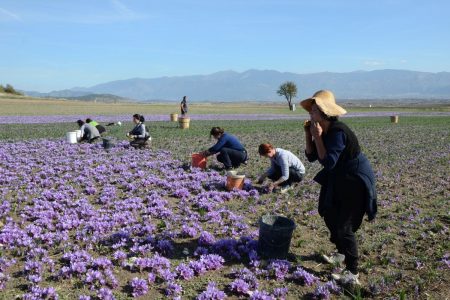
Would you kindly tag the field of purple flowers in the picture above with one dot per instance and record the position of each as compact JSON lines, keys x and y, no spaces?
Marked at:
{"x":77,"y":222}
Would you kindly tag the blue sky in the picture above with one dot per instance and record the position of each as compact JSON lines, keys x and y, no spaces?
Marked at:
{"x":48,"y":45}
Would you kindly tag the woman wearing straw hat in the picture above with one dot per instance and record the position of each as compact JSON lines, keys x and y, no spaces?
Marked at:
{"x":347,"y":180}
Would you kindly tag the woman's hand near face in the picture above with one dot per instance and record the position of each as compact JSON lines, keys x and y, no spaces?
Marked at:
{"x":307,"y":126}
{"x":316,"y":130}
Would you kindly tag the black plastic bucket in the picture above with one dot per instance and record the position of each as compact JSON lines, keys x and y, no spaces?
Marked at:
{"x":107,"y":144}
{"x":275,"y":234}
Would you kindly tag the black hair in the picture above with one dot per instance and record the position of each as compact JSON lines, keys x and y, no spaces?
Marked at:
{"x":215,"y":131}
{"x":80,"y":123}
{"x":139,"y":117}
{"x":327,"y":117}
{"x":88,"y":120}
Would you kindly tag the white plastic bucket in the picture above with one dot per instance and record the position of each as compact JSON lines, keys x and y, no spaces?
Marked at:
{"x":78,"y":134}
{"x":71,"y":137}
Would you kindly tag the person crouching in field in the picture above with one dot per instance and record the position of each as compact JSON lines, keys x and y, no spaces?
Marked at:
{"x":101,"y":129}
{"x":88,"y":132}
{"x":285,"y":168}
{"x":140,"y":138}
{"x":347,"y":180}
{"x":231,"y":152}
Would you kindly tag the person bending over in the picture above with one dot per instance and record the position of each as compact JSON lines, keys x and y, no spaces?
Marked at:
{"x":101,"y":129}
{"x":88,"y":132}
{"x":285,"y":168}
{"x":231,"y":153}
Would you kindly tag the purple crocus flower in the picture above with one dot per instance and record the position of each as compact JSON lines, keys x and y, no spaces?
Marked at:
{"x":239,"y":286}
{"x":305,"y":277}
{"x":139,"y":287}
{"x":279,"y":268}
{"x":105,"y":294}
{"x":212,"y":261}
{"x":212,"y":293}
{"x":185,"y":272}
{"x":206,"y":239}
{"x":261,"y":295}
{"x":173,"y":289}
{"x":280,"y":293}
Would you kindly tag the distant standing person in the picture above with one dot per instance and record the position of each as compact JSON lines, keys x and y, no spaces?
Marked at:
{"x":285,"y":168}
{"x":139,"y":135}
{"x":99,"y":127}
{"x":183,"y":106}
{"x":231,"y":152}
{"x":347,"y":180}
{"x":88,"y":132}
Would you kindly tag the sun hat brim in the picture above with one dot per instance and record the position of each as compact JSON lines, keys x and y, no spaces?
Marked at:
{"x":329,"y":108}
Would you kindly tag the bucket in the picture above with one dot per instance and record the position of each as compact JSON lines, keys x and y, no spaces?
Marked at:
{"x":234,"y":181}
{"x":198,"y":161}
{"x":394,"y":119}
{"x":78,"y":135}
{"x":107,"y":144}
{"x":173,"y":117}
{"x":184,"y":122}
{"x":71,"y":137}
{"x":275,"y":233}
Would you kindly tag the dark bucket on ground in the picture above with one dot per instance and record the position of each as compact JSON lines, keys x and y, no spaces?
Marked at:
{"x":107,"y":144}
{"x":275,"y":234}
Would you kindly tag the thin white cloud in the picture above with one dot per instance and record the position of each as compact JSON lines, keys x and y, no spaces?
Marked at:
{"x":122,"y":9}
{"x":115,"y":11}
{"x":119,"y":13}
{"x":373,"y":63}
{"x":6,"y":15}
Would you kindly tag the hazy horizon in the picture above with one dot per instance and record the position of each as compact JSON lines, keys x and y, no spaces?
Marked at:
{"x":221,"y":71}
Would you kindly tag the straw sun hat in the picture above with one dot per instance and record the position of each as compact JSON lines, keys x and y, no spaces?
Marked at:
{"x":325,"y":101}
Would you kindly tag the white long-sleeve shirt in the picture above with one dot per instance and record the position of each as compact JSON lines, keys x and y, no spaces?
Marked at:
{"x":285,"y":159}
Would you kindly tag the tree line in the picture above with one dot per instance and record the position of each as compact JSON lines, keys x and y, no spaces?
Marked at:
{"x":9,"y":89}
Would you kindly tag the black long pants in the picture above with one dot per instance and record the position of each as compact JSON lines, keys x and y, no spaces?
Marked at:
{"x":345,"y":217}
{"x":86,"y":138}
{"x":140,"y":143}
{"x":294,"y":176}
{"x":100,"y":129}
{"x":231,"y":157}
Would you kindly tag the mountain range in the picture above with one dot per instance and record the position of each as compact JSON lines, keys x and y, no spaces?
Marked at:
{"x":261,"y":85}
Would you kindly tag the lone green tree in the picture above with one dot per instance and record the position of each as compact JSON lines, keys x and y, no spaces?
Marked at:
{"x":288,"y":90}
{"x":10,"y":90}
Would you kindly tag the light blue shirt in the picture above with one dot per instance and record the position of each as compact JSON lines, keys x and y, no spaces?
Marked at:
{"x":285,"y":159}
